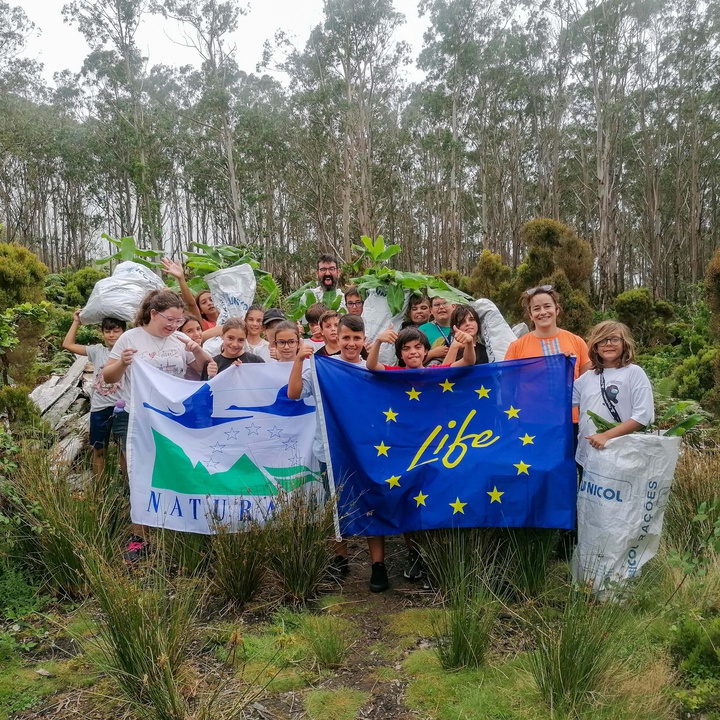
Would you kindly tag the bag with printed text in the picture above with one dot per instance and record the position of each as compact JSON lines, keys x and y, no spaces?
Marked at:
{"x":620,"y":508}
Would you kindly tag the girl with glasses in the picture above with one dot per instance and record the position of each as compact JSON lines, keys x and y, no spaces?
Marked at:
{"x":618,"y":390}
{"x":155,"y":340}
{"x":287,"y":340}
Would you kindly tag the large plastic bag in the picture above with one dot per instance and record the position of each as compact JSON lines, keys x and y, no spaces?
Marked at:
{"x":377,"y":317}
{"x":120,"y":295}
{"x":621,"y":505}
{"x":232,"y":290}
{"x":496,"y":333}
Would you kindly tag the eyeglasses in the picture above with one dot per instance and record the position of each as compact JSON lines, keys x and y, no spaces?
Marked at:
{"x":442,"y":303}
{"x":330,"y":268}
{"x":539,"y":289}
{"x":615,"y":340}
{"x":354,"y":303}
{"x":172,"y":321}
{"x":286,"y":343}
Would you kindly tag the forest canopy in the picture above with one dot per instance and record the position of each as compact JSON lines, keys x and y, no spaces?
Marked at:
{"x":601,"y":115}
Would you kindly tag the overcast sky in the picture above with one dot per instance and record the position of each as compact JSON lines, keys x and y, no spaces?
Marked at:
{"x":60,"y":46}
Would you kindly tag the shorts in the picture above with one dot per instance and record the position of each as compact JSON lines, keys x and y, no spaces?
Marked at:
{"x":120,"y":427}
{"x":100,"y":421}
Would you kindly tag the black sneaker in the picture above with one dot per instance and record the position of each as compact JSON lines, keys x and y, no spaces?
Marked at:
{"x":340,"y":566}
{"x":378,"y":578}
{"x":413,"y":566}
{"x":137,"y":549}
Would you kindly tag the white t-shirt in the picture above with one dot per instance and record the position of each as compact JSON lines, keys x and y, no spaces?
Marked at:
{"x":628,"y":390}
{"x":308,"y":390}
{"x":104,"y":395}
{"x":262,"y":349}
{"x":167,"y":354}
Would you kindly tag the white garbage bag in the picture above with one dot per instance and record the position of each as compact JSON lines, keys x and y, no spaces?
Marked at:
{"x":520,"y":329}
{"x":120,"y":295}
{"x":377,"y":317}
{"x":496,"y":333}
{"x":620,"y":507}
{"x":232,"y":290}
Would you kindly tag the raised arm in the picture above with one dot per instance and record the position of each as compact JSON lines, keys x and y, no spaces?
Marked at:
{"x":295,"y":379}
{"x":467,"y":341}
{"x":373,"y":358}
{"x":176,"y":270}
{"x":69,"y":341}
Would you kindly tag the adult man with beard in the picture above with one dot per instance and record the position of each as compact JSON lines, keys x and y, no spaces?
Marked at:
{"x":328,"y":275}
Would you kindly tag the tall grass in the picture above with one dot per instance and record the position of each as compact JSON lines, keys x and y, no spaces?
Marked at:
{"x":58,"y":515}
{"x":239,"y":562}
{"x":189,"y":553}
{"x":464,"y":631}
{"x":299,"y":548}
{"x":145,"y":634}
{"x":530,"y":556}
{"x":462,"y":562}
{"x":464,"y":565}
{"x":697,"y":480}
{"x":574,"y":654}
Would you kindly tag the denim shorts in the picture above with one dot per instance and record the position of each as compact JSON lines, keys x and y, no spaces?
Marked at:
{"x":100,"y":421}
{"x":120,"y":427}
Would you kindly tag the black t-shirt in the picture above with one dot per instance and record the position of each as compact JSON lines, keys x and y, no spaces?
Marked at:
{"x":481,"y":356}
{"x":224,"y":363}
{"x":323,"y":351}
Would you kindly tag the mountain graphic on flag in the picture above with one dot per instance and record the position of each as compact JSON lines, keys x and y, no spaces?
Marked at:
{"x":173,"y":470}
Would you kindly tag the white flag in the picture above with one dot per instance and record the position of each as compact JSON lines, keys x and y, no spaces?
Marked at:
{"x":203,"y":454}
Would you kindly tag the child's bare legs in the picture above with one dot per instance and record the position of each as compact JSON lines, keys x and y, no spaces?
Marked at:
{"x":98,"y":461}
{"x":376,"y":544}
{"x":378,"y":577}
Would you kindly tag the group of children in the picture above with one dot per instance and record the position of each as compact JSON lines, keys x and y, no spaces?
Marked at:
{"x":434,"y":333}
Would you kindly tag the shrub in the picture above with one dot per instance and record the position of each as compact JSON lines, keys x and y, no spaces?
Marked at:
{"x":647,"y":319}
{"x":712,"y":285}
{"x":695,"y":376}
{"x":488,"y":276}
{"x":22,"y":276}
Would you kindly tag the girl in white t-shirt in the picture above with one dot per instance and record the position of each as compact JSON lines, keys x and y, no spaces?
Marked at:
{"x":253,"y":326}
{"x":615,"y":389}
{"x":156,"y":341}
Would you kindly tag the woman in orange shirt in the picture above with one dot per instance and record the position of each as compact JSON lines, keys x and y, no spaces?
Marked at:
{"x":542,"y":305}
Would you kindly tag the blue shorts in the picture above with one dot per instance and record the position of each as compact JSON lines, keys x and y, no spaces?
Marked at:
{"x":120,"y":427}
{"x":100,"y":428}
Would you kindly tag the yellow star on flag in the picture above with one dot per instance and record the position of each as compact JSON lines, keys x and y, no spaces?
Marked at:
{"x":382,"y":449}
{"x":390,"y":415}
{"x":413,"y":393}
{"x":447,"y":386}
{"x":512,"y":412}
{"x":527,"y":439}
{"x":495,"y":495}
{"x":483,"y":392}
{"x":394,"y":481}
{"x":458,"y":506}
{"x":522,"y":468}
{"x":420,"y":499}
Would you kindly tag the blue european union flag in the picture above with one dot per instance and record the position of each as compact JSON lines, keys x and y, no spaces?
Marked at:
{"x":482,"y":446}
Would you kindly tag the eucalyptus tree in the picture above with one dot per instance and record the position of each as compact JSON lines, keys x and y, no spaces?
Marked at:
{"x":115,"y":73}
{"x":208,"y":26}
{"x":350,"y":67}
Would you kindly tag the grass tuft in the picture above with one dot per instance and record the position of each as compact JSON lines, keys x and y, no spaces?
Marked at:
{"x":574,"y":654}
{"x":61,"y":515}
{"x":299,"y":548}
{"x":239,"y":562}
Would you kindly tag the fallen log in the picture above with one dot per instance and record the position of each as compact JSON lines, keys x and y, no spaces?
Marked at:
{"x":47,"y":394}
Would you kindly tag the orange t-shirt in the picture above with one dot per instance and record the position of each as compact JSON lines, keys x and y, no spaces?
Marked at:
{"x":529,"y":346}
